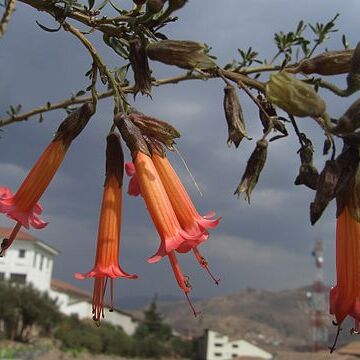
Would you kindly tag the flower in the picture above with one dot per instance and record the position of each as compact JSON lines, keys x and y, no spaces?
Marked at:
{"x":23,"y":206}
{"x":107,"y":250}
{"x":159,"y":207}
{"x":345,"y":296}
{"x":185,"y":212}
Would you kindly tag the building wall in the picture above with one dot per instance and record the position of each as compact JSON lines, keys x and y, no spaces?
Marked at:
{"x":219,"y":347}
{"x":26,"y":262}
{"x":83,"y":309}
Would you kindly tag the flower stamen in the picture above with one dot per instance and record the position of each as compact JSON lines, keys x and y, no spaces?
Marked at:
{"x":204,"y":264}
{"x":8,"y":241}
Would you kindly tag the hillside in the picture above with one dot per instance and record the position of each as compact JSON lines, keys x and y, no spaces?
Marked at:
{"x":273,"y":320}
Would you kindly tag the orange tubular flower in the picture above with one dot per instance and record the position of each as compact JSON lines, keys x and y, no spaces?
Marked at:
{"x":159,"y":207}
{"x":345,"y":296}
{"x":185,"y":211}
{"x":23,"y":207}
{"x":107,"y":250}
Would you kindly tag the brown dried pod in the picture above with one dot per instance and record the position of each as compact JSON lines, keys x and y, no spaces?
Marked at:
{"x":114,"y":158}
{"x":139,"y":2}
{"x":253,"y":170}
{"x":350,"y":121}
{"x":234,"y":116}
{"x":154,"y":6}
{"x":353,"y":79}
{"x":71,"y":127}
{"x":327,"y":63}
{"x":131,"y":135}
{"x":155,"y":128}
{"x":326,"y":187}
{"x":308,"y":174}
{"x":184,"y":54}
{"x":140,"y":66}
{"x":335,"y":181}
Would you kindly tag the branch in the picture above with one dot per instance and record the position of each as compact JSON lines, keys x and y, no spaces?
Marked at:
{"x":100,"y":64}
{"x":57,"y":12}
{"x":4,"y":22}
{"x":126,"y":90}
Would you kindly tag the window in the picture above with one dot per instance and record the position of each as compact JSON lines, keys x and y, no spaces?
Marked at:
{"x":235,"y":345}
{"x":234,"y":355}
{"x":218,"y":354}
{"x":41,"y":262}
{"x":18,"y":278}
{"x":2,"y":276}
{"x":218,"y":345}
{"x":34,"y":260}
{"x":22,"y":253}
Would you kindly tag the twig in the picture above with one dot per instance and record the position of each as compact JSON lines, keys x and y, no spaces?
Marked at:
{"x":118,"y":103}
{"x":82,"y":99}
{"x":4,"y":22}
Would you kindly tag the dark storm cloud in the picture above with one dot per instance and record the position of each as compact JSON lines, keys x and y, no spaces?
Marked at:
{"x":261,"y":245}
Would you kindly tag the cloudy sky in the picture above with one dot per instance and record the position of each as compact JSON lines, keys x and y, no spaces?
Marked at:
{"x":263,"y":245}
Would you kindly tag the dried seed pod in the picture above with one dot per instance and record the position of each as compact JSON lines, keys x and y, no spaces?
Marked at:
{"x":176,"y":4}
{"x":139,"y":2}
{"x":131,"y":135}
{"x":327,"y":63}
{"x":294,"y":96}
{"x":308,"y":174}
{"x":154,"y":6}
{"x":140,"y":66}
{"x":234,"y":116}
{"x":353,"y":79}
{"x":184,"y":54}
{"x":253,"y":170}
{"x":154,"y":128}
{"x":327,"y":183}
{"x":335,"y":181}
{"x":350,"y":121}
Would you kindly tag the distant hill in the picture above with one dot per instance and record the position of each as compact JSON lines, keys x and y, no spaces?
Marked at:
{"x":272,"y":320}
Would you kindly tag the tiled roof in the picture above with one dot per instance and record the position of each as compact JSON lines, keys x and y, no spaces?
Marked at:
{"x":62,"y":286}
{"x":352,"y":348}
{"x":22,"y":235}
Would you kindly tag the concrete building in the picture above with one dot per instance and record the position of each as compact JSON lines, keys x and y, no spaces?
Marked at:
{"x":215,"y":346}
{"x":30,"y":261}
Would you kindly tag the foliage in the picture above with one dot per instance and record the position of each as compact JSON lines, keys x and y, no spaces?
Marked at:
{"x":77,"y":335}
{"x":154,"y":338}
{"x":22,"y":308}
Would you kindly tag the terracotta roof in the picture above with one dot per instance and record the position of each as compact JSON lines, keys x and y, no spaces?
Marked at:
{"x":22,"y":235}
{"x":352,"y":348}
{"x":63,"y":286}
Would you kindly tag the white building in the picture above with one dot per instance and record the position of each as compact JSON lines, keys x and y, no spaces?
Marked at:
{"x":30,"y":261}
{"x":215,"y":346}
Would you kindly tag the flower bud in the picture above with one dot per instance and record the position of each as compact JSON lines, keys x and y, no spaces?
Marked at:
{"x":139,"y":2}
{"x":184,"y":54}
{"x":350,"y":121}
{"x":234,"y":116}
{"x":327,"y":63}
{"x":71,"y":127}
{"x":131,"y":135}
{"x":294,"y":96}
{"x":176,"y":4}
{"x":154,"y":128}
{"x":353,"y":79}
{"x":253,"y":169}
{"x":154,"y":6}
{"x":140,"y":66}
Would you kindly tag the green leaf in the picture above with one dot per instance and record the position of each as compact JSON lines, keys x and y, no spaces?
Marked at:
{"x":48,"y":29}
{"x":91,"y":4}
